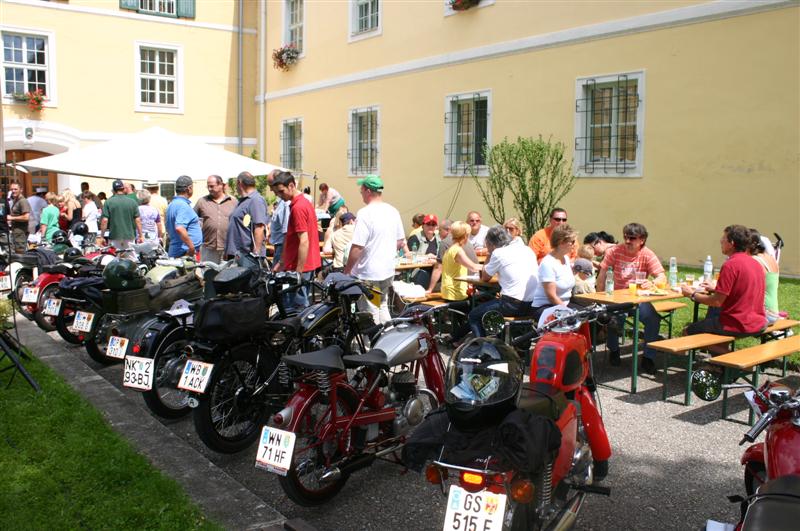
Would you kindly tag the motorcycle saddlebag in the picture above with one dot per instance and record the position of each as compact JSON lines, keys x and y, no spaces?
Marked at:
{"x":233,"y":280}
{"x":222,"y":320}
{"x":82,"y":288}
{"x":164,"y":294}
{"x":123,"y":302}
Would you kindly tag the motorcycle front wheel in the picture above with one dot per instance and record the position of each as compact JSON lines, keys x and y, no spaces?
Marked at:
{"x":64,"y":320}
{"x":164,"y":398}
{"x":303,"y":483}
{"x":228,"y":418}
{"x":46,"y":322}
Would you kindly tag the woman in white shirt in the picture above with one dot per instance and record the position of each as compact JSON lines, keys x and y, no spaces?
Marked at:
{"x":556,"y":279}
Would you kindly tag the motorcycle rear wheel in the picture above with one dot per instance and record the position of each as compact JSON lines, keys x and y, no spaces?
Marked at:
{"x":164,"y":398}
{"x":24,"y":278}
{"x":64,"y":320}
{"x":46,"y":322}
{"x":302,"y":482}
{"x":227,"y":419}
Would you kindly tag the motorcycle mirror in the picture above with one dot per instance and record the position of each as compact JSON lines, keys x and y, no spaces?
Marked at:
{"x":706,"y":385}
{"x":493,"y":322}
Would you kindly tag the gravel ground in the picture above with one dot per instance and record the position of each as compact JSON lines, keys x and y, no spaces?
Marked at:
{"x":672,"y":468}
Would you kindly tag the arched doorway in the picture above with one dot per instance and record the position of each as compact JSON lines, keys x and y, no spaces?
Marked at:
{"x":29,"y":181}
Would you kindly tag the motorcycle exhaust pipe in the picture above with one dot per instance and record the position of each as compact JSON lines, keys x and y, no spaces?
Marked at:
{"x":569,"y":514}
{"x":362,"y":461}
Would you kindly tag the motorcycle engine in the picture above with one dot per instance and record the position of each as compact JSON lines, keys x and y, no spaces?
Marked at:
{"x":410,"y":407}
{"x":402,"y":386}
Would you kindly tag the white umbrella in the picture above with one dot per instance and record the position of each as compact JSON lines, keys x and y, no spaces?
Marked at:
{"x":154,"y":154}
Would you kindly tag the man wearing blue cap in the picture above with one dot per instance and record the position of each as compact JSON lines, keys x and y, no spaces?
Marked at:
{"x":183,"y":224}
{"x":377,"y":236}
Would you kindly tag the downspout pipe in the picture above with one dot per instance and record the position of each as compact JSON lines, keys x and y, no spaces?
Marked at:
{"x":239,"y":80}
{"x":262,"y":77}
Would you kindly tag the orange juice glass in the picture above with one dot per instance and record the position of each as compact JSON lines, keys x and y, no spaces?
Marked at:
{"x":632,"y":288}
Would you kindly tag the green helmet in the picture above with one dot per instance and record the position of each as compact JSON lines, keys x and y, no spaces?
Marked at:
{"x":122,"y":274}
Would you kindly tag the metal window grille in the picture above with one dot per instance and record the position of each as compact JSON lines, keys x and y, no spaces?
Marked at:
{"x":467,"y":126}
{"x":291,"y":140}
{"x":24,"y":63}
{"x":366,"y":15}
{"x":609,"y":113}
{"x":295,"y":28}
{"x":363,"y":131}
{"x":157,"y":77}
{"x":166,"y":7}
{"x":167,"y":191}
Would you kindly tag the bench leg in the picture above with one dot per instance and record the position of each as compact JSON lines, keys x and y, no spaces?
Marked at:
{"x":725,"y":395}
{"x":785,"y":360}
{"x":669,"y":324}
{"x":752,"y":414}
{"x":666,"y":365}
{"x":687,"y":399}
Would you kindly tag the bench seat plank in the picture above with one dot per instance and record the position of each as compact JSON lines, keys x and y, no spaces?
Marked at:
{"x":753,"y":356}
{"x":677,"y":345}
{"x":780,"y":325}
{"x":668,"y":306}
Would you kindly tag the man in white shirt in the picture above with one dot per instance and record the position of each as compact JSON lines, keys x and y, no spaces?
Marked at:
{"x":377,"y":236}
{"x":477,"y":232}
{"x":515,"y":265}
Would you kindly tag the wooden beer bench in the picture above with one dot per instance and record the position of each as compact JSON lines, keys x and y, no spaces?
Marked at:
{"x":666,"y":311}
{"x":778,"y":329}
{"x":685,"y":347}
{"x":740,"y":363}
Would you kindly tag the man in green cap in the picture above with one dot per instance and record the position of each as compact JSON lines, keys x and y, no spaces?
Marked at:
{"x":377,"y":236}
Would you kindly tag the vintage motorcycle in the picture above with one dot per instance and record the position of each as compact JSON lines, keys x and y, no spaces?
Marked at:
{"x":521,"y":455}
{"x":340,"y":421}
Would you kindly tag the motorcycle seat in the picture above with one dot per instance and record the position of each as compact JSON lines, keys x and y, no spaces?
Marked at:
{"x":374,"y":358}
{"x":542,"y":399}
{"x":290,"y":324}
{"x":328,"y":360}
{"x":776,"y":508}
{"x":62,"y":268}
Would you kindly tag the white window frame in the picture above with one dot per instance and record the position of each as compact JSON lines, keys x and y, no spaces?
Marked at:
{"x":582,"y":151}
{"x":354,"y":35}
{"x":286,"y":26}
{"x":480,"y":171}
{"x":179,"y":78}
{"x":160,"y":9}
{"x":284,"y":123}
{"x":50,"y":60}
{"x":350,"y":151}
{"x":449,"y":11}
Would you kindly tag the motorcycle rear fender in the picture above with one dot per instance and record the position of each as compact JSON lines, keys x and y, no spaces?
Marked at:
{"x":754,"y":452}
{"x":306,"y":396}
{"x":45,"y":279}
{"x":593,"y":426}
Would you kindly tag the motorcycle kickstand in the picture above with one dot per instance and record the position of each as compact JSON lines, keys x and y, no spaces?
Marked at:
{"x":593,"y":489}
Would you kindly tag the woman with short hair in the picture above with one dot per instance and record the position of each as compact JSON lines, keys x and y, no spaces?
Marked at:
{"x":151,"y":219}
{"x":556,"y":279}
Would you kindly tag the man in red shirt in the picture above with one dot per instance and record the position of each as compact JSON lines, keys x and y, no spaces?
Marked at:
{"x":301,"y":245}
{"x":736,"y":303}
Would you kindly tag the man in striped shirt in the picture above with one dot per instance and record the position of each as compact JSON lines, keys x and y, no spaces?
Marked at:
{"x":627,"y":259}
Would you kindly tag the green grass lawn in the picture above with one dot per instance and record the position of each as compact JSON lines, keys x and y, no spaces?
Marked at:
{"x":788,"y":300}
{"x":62,"y":467}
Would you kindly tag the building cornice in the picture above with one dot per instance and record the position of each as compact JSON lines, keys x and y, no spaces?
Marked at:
{"x":154,"y":19}
{"x":717,"y":10}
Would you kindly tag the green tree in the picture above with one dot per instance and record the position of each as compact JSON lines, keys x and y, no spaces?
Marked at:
{"x":535,"y":171}
{"x":261,"y":184}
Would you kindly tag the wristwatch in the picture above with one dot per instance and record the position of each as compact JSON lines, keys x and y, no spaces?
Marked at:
{"x":692,"y":296}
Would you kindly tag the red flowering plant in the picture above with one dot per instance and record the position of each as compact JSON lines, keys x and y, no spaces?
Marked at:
{"x":34,"y":98}
{"x":285,"y":56}
{"x":463,"y":5}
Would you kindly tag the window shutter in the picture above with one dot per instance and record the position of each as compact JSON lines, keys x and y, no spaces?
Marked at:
{"x":129,"y":4}
{"x":185,"y":8}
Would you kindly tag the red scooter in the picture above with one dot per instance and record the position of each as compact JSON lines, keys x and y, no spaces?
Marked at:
{"x":541,"y":482}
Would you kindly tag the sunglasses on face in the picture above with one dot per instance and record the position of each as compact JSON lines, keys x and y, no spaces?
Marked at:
{"x":559,"y":219}
{"x":630,"y":237}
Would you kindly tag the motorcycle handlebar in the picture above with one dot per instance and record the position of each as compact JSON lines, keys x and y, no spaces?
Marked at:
{"x":759,"y":426}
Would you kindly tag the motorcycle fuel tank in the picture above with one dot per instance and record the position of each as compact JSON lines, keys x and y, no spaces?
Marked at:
{"x":404,"y":343}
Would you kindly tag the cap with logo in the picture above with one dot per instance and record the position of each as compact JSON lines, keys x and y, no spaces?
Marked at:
{"x":371,"y":182}
{"x":582,"y":265}
{"x":117,"y":185}
{"x":430,"y":218}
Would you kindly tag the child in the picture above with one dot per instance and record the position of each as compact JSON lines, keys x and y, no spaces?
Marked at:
{"x":583,"y":270}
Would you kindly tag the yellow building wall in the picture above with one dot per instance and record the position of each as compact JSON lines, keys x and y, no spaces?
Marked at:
{"x":720,"y":134}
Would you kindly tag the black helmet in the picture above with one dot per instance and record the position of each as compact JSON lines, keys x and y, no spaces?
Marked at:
{"x":484,"y":378}
{"x":71,"y":254}
{"x":122,"y":274}
{"x":80,"y":229}
{"x":59,"y":236}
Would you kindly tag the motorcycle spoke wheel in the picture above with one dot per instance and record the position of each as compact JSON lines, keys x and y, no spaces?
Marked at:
{"x":64,"y":321}
{"x":165,"y":399}
{"x":24,"y":278}
{"x":46,"y":322}
{"x":312,"y":456}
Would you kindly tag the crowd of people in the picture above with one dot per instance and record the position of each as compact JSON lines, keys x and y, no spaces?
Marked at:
{"x":533,"y":276}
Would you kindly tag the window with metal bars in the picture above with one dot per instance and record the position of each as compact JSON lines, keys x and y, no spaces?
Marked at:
{"x":467,"y":128}
{"x":363,"y":152}
{"x":366,"y":16}
{"x":294,"y":24}
{"x":157,"y":77}
{"x":165,"y":7}
{"x":25,"y":63}
{"x":292,"y":144}
{"x":610,"y":113}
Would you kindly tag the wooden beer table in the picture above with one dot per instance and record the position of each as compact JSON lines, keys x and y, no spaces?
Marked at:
{"x":621,"y":296}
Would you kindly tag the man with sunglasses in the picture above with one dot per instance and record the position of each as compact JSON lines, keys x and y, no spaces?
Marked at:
{"x":627,"y":259}
{"x":540,"y":241}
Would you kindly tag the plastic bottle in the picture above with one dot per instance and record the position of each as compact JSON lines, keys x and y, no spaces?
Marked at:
{"x":610,"y":281}
{"x":673,"y":272}
{"x":708,"y":269}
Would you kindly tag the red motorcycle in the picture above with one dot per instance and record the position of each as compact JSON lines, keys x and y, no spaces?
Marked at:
{"x":771,"y":468}
{"x":520,"y":457}
{"x":340,"y":421}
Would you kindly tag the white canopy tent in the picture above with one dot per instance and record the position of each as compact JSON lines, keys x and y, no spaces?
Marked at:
{"x":154,"y":154}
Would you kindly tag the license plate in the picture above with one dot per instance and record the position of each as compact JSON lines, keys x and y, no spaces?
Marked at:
{"x":51,"y":307}
{"x":138,"y":373}
{"x":275,"y":449}
{"x":5,"y":283}
{"x":117,"y":346}
{"x":195,"y":376}
{"x":30,"y":294}
{"x":478,"y":511}
{"x":83,"y":321}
